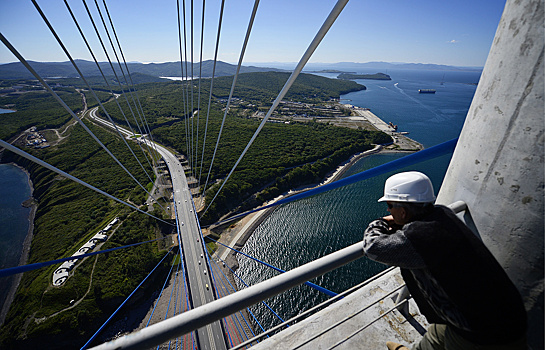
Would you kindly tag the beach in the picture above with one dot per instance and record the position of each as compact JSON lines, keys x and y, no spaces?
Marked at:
{"x":236,"y":234}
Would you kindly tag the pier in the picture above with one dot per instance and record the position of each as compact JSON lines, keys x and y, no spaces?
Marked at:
{"x":401,"y":142}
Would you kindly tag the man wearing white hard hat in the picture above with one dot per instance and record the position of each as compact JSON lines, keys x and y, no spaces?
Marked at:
{"x":456,"y":282}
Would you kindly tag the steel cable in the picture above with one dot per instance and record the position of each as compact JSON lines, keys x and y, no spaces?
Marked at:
{"x":83,"y":78}
{"x":139,"y":107}
{"x":241,"y":57}
{"x":69,"y":110}
{"x":124,"y":302}
{"x":335,"y":12}
{"x":210,"y":96}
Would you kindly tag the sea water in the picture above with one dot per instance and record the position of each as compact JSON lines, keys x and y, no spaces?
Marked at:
{"x":308,"y":229}
{"x":14,"y":190}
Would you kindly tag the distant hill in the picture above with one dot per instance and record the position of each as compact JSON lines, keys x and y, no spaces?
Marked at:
{"x":169,"y":69}
{"x":353,"y":67}
{"x":387,"y":65}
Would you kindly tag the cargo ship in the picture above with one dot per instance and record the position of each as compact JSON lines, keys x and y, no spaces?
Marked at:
{"x":426,"y":91}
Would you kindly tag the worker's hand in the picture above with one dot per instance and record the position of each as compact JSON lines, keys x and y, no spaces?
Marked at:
{"x":389,"y":219}
{"x":391,"y":223}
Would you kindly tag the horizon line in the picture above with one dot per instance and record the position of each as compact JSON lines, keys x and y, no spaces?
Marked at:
{"x":266,"y":62}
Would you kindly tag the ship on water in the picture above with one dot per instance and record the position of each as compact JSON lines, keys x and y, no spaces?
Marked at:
{"x":426,"y":91}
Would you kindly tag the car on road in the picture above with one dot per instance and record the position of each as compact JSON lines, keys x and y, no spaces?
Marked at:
{"x":204,"y":272}
{"x":207,"y":286}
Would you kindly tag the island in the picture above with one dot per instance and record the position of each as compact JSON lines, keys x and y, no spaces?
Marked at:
{"x":332,"y":71}
{"x":376,"y":76}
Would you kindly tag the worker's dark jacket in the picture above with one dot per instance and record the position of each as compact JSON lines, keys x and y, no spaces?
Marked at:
{"x":452,"y":276}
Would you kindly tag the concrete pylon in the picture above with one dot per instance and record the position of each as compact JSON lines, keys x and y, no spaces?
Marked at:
{"x":497,"y":167}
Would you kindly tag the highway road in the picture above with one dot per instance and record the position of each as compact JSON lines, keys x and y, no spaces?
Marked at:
{"x":200,"y":283}
{"x":197,"y":267}
{"x":93,"y":116}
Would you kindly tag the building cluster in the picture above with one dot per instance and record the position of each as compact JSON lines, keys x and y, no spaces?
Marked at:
{"x":21,"y":88}
{"x":61,"y":274}
{"x":236,"y":102}
{"x":309,"y":110}
{"x":35,"y":139}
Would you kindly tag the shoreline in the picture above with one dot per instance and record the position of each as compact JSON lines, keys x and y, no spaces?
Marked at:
{"x":16,"y":280}
{"x":236,"y":234}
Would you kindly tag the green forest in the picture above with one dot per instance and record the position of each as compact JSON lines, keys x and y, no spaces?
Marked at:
{"x":68,"y":215}
{"x":283,"y":156}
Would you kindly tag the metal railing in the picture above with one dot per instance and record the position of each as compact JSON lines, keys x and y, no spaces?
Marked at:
{"x":194,"y":319}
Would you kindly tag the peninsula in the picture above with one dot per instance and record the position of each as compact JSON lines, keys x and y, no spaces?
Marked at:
{"x":376,"y":76}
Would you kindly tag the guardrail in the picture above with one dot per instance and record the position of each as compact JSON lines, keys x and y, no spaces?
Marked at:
{"x":194,"y":319}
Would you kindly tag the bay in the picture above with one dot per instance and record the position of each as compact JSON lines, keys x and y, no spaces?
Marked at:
{"x":14,"y":223}
{"x":302,"y":231}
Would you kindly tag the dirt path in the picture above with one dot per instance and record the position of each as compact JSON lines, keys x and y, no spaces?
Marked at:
{"x":76,"y":302}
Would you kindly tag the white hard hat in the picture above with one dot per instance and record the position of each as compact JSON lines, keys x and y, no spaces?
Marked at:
{"x":411,"y":186}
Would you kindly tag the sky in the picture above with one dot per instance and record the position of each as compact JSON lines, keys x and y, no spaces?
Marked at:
{"x":456,"y":32}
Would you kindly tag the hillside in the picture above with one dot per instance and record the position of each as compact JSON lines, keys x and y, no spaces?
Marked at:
{"x":16,"y":70}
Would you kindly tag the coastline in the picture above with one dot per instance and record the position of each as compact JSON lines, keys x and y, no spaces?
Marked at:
{"x":236,"y":234}
{"x":16,"y":280}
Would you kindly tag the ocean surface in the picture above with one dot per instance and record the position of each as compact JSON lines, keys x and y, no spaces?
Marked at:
{"x":14,"y":190}
{"x":308,"y":229}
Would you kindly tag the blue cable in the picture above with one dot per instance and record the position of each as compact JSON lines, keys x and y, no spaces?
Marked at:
{"x":226,"y":326}
{"x":236,"y":322}
{"x":170,"y":299}
{"x":25,"y":268}
{"x":250,"y":311}
{"x":310,"y":284}
{"x":264,"y":303}
{"x":180,"y":249}
{"x":411,"y":159}
{"x":159,"y":297}
{"x":123,"y":303}
{"x":239,"y":328}
{"x":235,"y":289}
{"x":210,"y":269}
{"x":186,"y":293}
{"x":174,"y":310}
{"x":180,"y":263}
